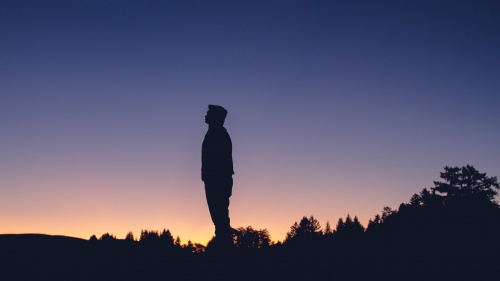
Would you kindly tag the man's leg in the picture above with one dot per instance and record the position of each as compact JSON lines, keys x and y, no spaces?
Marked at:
{"x":218,"y":193}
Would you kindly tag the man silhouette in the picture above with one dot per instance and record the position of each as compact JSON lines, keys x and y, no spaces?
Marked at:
{"x":217,"y":172}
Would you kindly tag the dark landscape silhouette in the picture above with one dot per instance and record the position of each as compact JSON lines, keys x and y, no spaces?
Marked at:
{"x":447,"y":232}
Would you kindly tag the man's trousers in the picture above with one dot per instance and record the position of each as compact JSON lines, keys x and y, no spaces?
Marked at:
{"x":218,"y":192}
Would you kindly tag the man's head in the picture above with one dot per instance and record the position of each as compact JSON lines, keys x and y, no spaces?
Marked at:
{"x":215,"y":115}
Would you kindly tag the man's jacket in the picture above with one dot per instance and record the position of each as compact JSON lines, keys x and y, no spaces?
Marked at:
{"x":216,"y":155}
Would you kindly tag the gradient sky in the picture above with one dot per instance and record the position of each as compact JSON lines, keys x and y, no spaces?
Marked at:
{"x":335,"y":107}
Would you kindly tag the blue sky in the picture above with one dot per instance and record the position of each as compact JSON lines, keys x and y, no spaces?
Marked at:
{"x":335,"y":107}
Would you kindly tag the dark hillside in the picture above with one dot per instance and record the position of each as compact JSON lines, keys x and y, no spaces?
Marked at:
{"x":25,"y":256}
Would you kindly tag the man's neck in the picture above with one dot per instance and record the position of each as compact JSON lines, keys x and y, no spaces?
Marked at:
{"x":215,"y":127}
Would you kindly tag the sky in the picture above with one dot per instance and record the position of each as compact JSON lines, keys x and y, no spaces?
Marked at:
{"x":335,"y":108}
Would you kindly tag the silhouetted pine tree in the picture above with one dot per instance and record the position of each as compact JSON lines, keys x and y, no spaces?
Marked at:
{"x":328,"y":229}
{"x":129,"y":237}
{"x":177,"y":241}
{"x":466,"y":184}
{"x":149,"y":237}
{"x":166,"y":237}
{"x":349,"y":229}
{"x":340,"y":226}
{"x":307,"y":229}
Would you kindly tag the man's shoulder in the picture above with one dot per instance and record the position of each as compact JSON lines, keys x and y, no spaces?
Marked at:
{"x":217,"y":131}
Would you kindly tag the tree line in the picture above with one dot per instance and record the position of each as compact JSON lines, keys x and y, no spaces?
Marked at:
{"x":448,"y":232}
{"x":463,"y":190}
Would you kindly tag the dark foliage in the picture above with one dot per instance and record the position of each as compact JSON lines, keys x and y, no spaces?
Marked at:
{"x":447,"y":232}
{"x":307,"y":229}
{"x":249,"y":238}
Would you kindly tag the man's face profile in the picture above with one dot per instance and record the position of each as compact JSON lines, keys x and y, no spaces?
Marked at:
{"x":212,"y":118}
{"x":207,"y":117}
